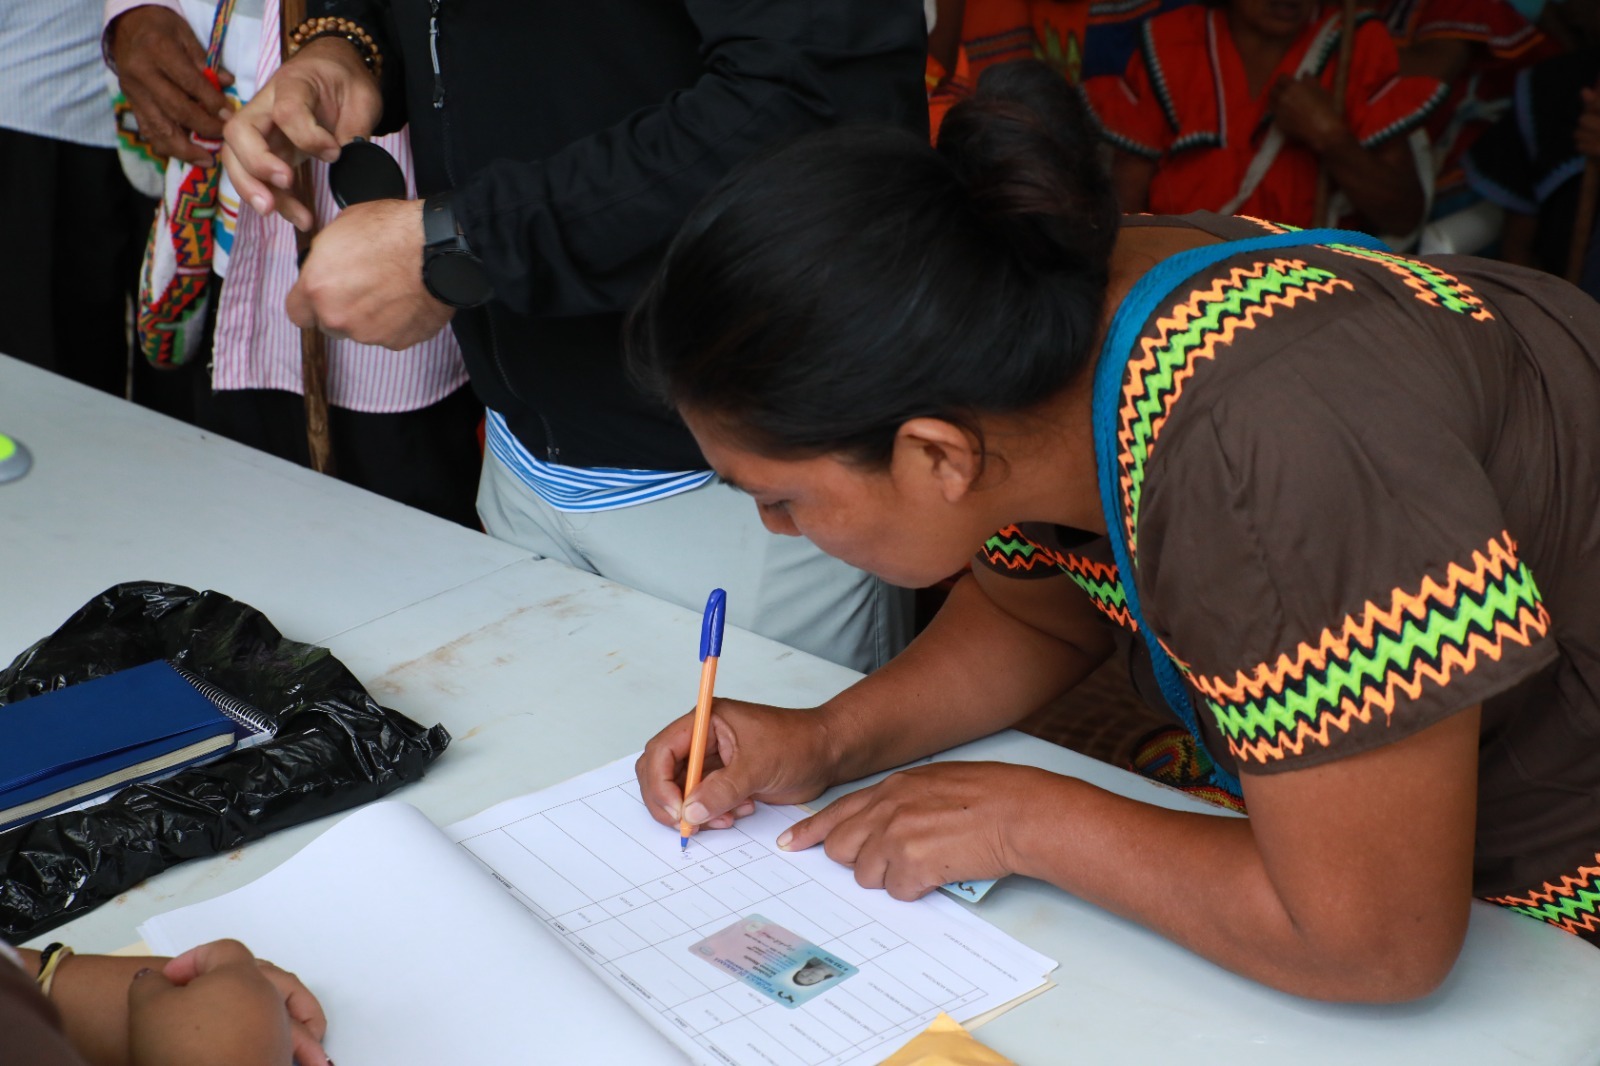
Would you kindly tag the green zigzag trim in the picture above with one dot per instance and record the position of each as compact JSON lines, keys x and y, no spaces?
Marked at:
{"x":1175,"y":355}
{"x":1389,"y":654}
{"x":1099,"y":591}
{"x":1009,"y":547}
{"x":1583,"y":903}
{"x":1447,"y":293}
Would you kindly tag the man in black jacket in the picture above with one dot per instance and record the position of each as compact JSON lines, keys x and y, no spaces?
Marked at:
{"x":558,"y":147}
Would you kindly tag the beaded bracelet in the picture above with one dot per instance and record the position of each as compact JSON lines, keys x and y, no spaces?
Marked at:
{"x":328,"y":26}
{"x":50,"y":960}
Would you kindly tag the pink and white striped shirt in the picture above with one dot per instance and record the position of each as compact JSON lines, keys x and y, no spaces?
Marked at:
{"x":256,"y":346}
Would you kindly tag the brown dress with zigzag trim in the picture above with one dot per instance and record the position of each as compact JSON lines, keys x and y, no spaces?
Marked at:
{"x":1363,"y":494}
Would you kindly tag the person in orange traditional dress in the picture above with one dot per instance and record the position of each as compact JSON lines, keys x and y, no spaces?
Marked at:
{"x":1230,"y":108}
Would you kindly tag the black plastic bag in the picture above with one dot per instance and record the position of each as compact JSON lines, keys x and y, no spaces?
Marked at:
{"x":334,"y":748}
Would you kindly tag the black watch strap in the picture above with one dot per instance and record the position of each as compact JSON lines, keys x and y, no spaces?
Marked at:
{"x":439,"y":222}
{"x":449,"y":269}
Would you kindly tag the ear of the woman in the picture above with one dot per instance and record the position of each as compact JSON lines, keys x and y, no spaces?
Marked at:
{"x":936,"y":457}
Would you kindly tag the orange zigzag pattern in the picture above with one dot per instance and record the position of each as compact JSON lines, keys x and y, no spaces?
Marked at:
{"x":1531,"y":624}
{"x":1041,"y":555}
{"x":1272,"y":677}
{"x":1119,"y":615}
{"x":1094,"y":570}
{"x":1178,"y":321}
{"x":1464,"y":291}
{"x":1270,"y":227}
{"x":1091,"y":568}
{"x":1546,"y":895}
{"x":1589,"y":923}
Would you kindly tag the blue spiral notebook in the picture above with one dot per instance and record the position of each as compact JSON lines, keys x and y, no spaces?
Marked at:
{"x":59,"y":749}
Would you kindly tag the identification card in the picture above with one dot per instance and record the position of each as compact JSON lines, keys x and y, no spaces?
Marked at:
{"x":773,"y":961}
{"x":971,"y":891}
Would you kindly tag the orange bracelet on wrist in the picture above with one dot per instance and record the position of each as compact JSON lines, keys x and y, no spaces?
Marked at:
{"x":328,"y":26}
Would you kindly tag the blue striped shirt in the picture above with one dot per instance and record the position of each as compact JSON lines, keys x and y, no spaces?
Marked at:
{"x":576,"y":489}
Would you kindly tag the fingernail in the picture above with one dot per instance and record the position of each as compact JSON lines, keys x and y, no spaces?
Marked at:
{"x":695,"y":813}
{"x":784,"y":838}
{"x":261,"y":204}
{"x":674,"y":814}
{"x":283,"y":181}
{"x":145,"y":972}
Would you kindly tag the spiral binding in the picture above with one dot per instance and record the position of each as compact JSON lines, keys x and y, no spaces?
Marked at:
{"x":242,"y":713}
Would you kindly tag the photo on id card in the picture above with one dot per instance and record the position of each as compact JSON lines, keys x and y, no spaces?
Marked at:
{"x":775,"y":962}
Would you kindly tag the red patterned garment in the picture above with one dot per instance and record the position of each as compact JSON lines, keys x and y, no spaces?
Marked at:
{"x":1185,"y":102}
{"x":999,"y":31}
{"x":1493,"y":23}
{"x":1505,"y":43}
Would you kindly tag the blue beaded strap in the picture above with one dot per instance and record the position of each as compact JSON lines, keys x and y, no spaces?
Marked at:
{"x":1150,"y":292}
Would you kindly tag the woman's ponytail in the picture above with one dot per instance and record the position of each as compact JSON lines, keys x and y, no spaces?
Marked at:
{"x":831,"y":289}
{"x":1027,"y":149}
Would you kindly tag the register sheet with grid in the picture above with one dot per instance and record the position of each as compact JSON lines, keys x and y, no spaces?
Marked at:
{"x":588,"y":860}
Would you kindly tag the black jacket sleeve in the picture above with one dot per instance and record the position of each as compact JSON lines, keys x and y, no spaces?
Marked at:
{"x":580,"y":231}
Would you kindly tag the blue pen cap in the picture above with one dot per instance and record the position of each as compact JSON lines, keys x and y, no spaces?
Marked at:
{"x":711,"y":624}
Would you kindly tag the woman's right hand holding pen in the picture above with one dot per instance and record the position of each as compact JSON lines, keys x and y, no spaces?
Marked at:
{"x":753,"y":752}
{"x":982,"y":664}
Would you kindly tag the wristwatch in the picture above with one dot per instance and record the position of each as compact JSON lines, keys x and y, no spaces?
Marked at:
{"x":449,"y":269}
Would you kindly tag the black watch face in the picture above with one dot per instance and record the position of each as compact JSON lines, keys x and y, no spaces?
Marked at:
{"x":458,"y":279}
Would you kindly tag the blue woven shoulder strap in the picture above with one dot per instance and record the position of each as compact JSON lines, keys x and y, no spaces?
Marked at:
{"x":1150,"y":292}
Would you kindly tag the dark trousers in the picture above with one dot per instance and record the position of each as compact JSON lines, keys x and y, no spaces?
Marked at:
{"x":428,"y":458}
{"x":74,"y":231}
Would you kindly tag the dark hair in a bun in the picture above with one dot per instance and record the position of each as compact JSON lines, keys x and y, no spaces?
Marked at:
{"x":831,"y":289}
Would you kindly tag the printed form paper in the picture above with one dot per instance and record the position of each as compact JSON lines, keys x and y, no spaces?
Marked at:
{"x":586,"y":858}
{"x":420,"y":957}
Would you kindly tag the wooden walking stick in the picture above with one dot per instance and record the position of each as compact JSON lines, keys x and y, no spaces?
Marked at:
{"x":313,"y":351}
{"x":1341,"y":83}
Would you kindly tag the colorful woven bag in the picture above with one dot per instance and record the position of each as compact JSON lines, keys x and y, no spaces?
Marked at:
{"x":142,"y":165}
{"x":173,"y":282}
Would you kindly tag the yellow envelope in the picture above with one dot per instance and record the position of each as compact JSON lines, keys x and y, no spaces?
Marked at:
{"x":945,"y":1043}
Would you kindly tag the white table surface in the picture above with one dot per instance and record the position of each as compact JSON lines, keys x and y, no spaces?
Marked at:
{"x":118,"y":493}
{"x":541,"y":672}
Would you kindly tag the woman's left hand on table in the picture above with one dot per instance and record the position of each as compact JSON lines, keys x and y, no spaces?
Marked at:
{"x":928,"y":826}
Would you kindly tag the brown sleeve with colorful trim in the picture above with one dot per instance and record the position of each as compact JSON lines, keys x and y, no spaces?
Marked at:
{"x":1034,"y":550}
{"x":1330,"y":565}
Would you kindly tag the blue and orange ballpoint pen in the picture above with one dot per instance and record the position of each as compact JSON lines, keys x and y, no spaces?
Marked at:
{"x":710,"y":649}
